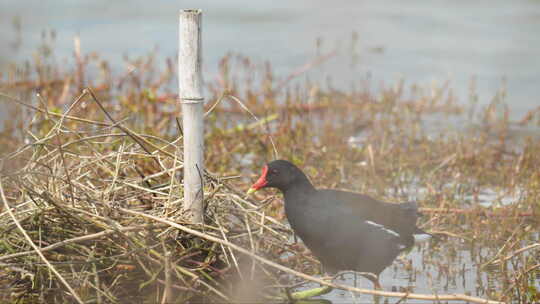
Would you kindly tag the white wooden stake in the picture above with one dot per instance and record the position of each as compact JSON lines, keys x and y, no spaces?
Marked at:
{"x":191,"y":97}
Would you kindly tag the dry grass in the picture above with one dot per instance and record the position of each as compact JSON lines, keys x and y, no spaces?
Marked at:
{"x":93,"y":179}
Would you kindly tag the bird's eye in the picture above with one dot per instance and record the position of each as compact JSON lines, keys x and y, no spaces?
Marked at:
{"x":273,"y":171}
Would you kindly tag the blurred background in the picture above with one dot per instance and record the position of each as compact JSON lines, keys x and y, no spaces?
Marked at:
{"x":491,"y":45}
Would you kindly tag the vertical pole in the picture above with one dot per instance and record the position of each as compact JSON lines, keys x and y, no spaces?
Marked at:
{"x":191,"y":96}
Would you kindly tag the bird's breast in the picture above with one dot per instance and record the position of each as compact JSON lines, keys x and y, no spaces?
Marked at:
{"x":306,"y":219}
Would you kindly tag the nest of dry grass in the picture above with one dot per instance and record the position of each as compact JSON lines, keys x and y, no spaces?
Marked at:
{"x":70,"y":198}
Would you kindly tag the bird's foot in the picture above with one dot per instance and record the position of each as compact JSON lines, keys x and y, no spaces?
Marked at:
{"x":368,"y":275}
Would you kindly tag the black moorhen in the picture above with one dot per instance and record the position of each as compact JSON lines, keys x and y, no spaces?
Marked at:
{"x":344,"y":230}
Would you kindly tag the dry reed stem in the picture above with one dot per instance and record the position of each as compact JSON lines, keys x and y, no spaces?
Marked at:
{"x":513,"y":254}
{"x":45,"y":111}
{"x":245,"y":108}
{"x":75,"y":240}
{"x":167,"y":293}
{"x":478,"y":211}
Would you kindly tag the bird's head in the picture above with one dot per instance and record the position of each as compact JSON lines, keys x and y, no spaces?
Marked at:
{"x":279,"y":174}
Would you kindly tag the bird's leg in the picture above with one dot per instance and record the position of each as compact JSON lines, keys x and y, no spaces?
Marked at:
{"x":372,"y":277}
{"x":377,"y":284}
{"x":327,"y":277}
{"x":339,"y":274}
{"x":289,"y":295}
{"x":306,"y":294}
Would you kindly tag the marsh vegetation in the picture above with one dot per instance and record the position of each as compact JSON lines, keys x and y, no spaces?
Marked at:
{"x":88,"y":154}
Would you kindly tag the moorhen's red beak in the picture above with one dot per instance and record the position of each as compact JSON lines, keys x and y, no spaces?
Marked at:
{"x":260,"y":183}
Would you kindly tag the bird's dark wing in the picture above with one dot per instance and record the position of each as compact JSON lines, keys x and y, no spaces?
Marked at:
{"x":397,"y":217}
{"x":348,"y":243}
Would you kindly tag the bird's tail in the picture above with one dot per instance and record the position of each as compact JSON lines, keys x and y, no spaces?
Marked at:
{"x":421,"y":231}
{"x":412,"y":208}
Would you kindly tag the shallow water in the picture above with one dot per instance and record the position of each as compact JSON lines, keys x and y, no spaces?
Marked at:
{"x":449,"y":267}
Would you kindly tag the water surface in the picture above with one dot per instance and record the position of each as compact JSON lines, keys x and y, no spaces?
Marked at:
{"x":494,"y":42}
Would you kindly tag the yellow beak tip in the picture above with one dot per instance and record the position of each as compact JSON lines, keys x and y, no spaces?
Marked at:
{"x":251,"y":190}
